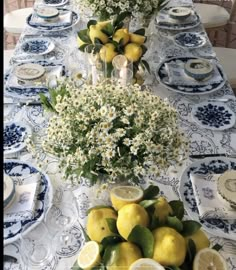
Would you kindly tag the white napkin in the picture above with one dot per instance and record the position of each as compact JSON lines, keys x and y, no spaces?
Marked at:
{"x":23,"y":204}
{"x":177,"y":75}
{"x":209,"y":202}
{"x":64,"y":19}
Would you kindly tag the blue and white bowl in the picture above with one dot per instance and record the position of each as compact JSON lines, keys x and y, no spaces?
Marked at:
{"x":198,"y":69}
{"x":180,"y":13}
{"x":37,"y":46}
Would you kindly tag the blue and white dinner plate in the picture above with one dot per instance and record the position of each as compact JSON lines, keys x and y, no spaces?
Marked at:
{"x":213,"y":115}
{"x":55,"y":3}
{"x":17,"y":168}
{"x":190,"y":40}
{"x":216,"y":165}
{"x":195,"y":89}
{"x":14,"y":135}
{"x":37,"y":46}
{"x":41,"y":27}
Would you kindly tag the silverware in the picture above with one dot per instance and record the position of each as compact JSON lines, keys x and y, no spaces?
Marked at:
{"x":212,"y":155}
{"x":9,"y":258}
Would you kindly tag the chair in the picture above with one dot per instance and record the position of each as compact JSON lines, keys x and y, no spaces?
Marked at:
{"x":216,"y":17}
{"x":227,"y":58}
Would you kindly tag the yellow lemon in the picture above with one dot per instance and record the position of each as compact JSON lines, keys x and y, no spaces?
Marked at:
{"x":123,"y":34}
{"x":200,"y":240}
{"x":208,"y":258}
{"x":169,"y":247}
{"x":104,"y":23}
{"x":127,"y":254}
{"x":97,"y":227}
{"x":133,"y":52}
{"x":89,"y":255}
{"x":123,"y":195}
{"x":95,"y":32}
{"x":107,"y":52}
{"x":135,"y":38}
{"x":146,"y":264}
{"x":129,"y":216}
{"x":162,"y":210}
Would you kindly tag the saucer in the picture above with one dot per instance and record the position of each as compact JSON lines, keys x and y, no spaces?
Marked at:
{"x":29,"y":71}
{"x":179,"y":13}
{"x":47,"y":12}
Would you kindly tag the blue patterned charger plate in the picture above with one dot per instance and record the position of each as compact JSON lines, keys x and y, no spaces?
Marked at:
{"x":163,"y":77}
{"x":216,"y":226}
{"x":190,"y":40}
{"x":213,"y":115}
{"x":14,"y":135}
{"x":37,"y":46}
{"x":20,"y":171}
{"x":55,"y":3}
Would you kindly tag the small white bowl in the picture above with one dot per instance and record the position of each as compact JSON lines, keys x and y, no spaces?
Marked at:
{"x":198,"y":69}
{"x":9,"y":190}
{"x":47,"y":13}
{"x":180,"y":13}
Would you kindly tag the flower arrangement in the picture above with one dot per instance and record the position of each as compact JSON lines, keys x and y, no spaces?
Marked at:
{"x":118,"y":132}
{"x":115,"y":40}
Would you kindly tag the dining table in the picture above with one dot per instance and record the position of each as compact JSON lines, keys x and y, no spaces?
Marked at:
{"x":212,"y":148}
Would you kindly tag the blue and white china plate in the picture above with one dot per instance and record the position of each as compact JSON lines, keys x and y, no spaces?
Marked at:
{"x":14,"y":135}
{"x":190,"y":40}
{"x":218,"y":227}
{"x":213,"y":115}
{"x":37,"y":46}
{"x":75,"y":19}
{"x":19,"y":171}
{"x":55,"y":3}
{"x":195,"y":89}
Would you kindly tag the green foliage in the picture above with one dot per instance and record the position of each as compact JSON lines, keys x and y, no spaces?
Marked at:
{"x":190,"y":227}
{"x":151,"y":192}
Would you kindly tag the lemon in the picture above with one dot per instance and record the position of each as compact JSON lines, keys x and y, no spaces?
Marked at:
{"x":146,"y":264}
{"x":133,"y":52}
{"x":123,"y":195}
{"x":97,"y":227}
{"x":119,"y":61}
{"x":200,"y":240}
{"x":107,"y":52}
{"x":162,"y":210}
{"x":89,"y":255}
{"x":104,"y":23}
{"x":129,"y":216}
{"x":128,"y":253}
{"x":169,"y":247}
{"x":135,"y":38}
{"x":123,"y":34}
{"x":208,"y":258}
{"x":95,"y":32}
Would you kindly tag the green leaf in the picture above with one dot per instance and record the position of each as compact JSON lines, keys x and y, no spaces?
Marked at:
{"x":151,"y":192}
{"x":154,"y":223}
{"x":98,"y":207}
{"x":120,"y":18}
{"x":190,"y":227}
{"x":111,"y":240}
{"x":111,"y":254}
{"x":142,"y":237}
{"x":144,"y":49}
{"x":83,"y":35}
{"x":191,"y":251}
{"x":120,"y":25}
{"x":82,"y":47}
{"x":108,"y":29}
{"x":120,"y":42}
{"x":178,"y":208}
{"x":147,"y":203}
{"x":111,"y":222}
{"x":140,"y":31}
{"x":86,"y":237}
{"x":91,"y":22}
{"x":97,"y":41}
{"x":174,"y":223}
{"x":217,"y":247}
{"x":145,"y":63}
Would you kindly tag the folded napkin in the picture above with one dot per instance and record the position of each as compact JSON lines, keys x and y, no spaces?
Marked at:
{"x":177,"y":75}
{"x":23,"y":204}
{"x":64,"y":19}
{"x":209,"y":202}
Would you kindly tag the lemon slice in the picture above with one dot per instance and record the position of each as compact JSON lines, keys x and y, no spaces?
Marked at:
{"x":123,"y":195}
{"x":208,"y":258}
{"x":120,"y":61}
{"x":89,"y":255}
{"x":146,"y":264}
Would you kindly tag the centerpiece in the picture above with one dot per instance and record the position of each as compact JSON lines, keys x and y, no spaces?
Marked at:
{"x":116,"y":133}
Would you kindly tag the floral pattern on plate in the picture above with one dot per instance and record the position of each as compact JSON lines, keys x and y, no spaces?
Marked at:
{"x":19,"y":171}
{"x":190,"y":39}
{"x":37,"y":46}
{"x":55,"y":3}
{"x":213,"y":115}
{"x":215,"y":226}
{"x":14,"y":136}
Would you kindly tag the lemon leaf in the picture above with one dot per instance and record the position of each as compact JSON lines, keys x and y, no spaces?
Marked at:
{"x":121,"y":18}
{"x":108,"y":29}
{"x":111,"y":240}
{"x":98,"y":207}
{"x":190,"y":227}
{"x":111,"y":222}
{"x":174,"y":223}
{"x":146,"y":65}
{"x":142,"y":237}
{"x":83,"y":35}
{"x":191,"y":251}
{"x":151,"y":192}
{"x":82,"y":47}
{"x":147,"y":203}
{"x":217,"y":247}
{"x":154,"y":223}
{"x":111,"y":254}
{"x":178,"y":208}
{"x":140,"y":32}
{"x":76,"y":266}
{"x":97,"y":41}
{"x":91,"y":22}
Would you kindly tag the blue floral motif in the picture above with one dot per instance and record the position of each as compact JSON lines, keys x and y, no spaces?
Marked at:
{"x":190,"y":40}
{"x":35,"y":46}
{"x":13,"y":136}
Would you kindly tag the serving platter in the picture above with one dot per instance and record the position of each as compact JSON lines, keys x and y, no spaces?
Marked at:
{"x":216,"y":165}
{"x":20,"y":171}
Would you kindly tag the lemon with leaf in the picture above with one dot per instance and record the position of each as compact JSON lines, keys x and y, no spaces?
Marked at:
{"x":121,"y":35}
{"x":200,"y":240}
{"x":108,"y":52}
{"x":133,"y":52}
{"x":162,"y":210}
{"x":95,"y":32}
{"x":138,"y":39}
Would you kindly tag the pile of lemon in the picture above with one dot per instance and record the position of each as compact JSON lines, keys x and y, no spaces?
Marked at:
{"x":126,"y":237}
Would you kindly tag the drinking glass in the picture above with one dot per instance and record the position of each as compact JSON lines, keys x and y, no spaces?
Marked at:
{"x":36,"y":246}
{"x":121,"y":61}
{"x":124,"y":76}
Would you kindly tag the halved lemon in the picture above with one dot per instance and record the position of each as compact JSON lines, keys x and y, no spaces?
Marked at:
{"x":89,"y":255}
{"x":122,"y":195}
{"x":146,"y":264}
{"x":208,"y":258}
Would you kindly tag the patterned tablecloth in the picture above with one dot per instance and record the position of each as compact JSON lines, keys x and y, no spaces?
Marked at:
{"x":161,"y":46}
